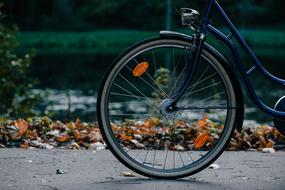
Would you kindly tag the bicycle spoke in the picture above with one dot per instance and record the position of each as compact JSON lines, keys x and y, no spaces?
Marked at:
{"x":151,"y":85}
{"x":173,"y":159}
{"x":145,"y":156}
{"x":135,"y":88}
{"x":130,"y":96}
{"x":130,"y":102}
{"x":201,"y":89}
{"x":190,"y":156}
{"x":165,"y":158}
{"x":154,"y":158}
{"x":137,"y":97}
{"x":205,"y":79}
{"x":209,"y":98}
{"x":164,"y":94}
{"x":206,"y":70}
{"x":133,"y":85}
{"x":181,"y":159}
{"x":205,"y":108}
{"x":150,"y":137}
{"x":125,"y":114}
{"x":183,"y":70}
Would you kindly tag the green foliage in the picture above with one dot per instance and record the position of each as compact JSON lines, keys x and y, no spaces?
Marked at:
{"x":162,"y":79}
{"x":15,"y":85}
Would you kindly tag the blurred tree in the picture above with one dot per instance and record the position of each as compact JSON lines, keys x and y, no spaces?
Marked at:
{"x":78,"y":15}
{"x":16,"y":98}
{"x":249,"y":11}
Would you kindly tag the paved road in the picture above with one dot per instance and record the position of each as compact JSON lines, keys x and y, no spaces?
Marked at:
{"x":36,"y":169}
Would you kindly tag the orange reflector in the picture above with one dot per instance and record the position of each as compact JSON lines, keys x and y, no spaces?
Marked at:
{"x":140,"y":69}
{"x":201,"y":140}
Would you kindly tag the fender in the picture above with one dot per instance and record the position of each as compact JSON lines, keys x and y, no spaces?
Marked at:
{"x":225,"y":64}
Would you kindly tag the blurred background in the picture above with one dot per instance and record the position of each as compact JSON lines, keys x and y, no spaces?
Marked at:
{"x":60,"y":49}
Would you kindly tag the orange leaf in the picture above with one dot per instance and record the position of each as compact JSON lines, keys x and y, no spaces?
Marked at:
{"x":77,"y":134}
{"x":23,"y":126}
{"x":25,"y":145}
{"x":203,"y":123}
{"x":130,"y":131}
{"x":181,"y":123}
{"x":149,"y":123}
{"x":269,"y":144}
{"x":32,"y":135}
{"x":124,"y":136}
{"x":64,"y":138}
{"x":201,"y":140}
{"x":129,"y":138}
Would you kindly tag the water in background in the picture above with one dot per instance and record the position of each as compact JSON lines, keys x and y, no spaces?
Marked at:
{"x":70,"y":84}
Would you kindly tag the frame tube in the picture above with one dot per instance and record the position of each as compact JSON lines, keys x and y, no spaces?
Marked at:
{"x":238,"y":60}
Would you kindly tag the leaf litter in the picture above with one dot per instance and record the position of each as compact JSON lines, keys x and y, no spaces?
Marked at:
{"x":43,"y":133}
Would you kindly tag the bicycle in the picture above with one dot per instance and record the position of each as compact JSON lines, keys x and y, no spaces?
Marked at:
{"x":169,"y":105}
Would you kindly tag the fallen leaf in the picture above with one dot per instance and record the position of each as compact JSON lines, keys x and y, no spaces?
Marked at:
{"x":25,"y":145}
{"x":214,"y":166}
{"x":73,"y":145}
{"x":269,"y":144}
{"x":268,"y":150}
{"x":23,"y":126}
{"x":64,"y":138}
{"x":203,"y":123}
{"x":98,"y":146}
{"x":128,"y":174}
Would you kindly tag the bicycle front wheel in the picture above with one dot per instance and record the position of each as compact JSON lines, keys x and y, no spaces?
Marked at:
{"x":146,"y":137}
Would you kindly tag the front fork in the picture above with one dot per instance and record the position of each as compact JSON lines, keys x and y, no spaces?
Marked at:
{"x":199,"y":39}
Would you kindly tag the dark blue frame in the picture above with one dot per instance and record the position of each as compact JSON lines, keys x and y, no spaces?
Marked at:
{"x":208,"y":28}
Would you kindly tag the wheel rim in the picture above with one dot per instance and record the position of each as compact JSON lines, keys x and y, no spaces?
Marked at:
{"x":137,"y":97}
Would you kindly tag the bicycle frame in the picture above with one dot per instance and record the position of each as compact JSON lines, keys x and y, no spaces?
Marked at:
{"x":208,"y":28}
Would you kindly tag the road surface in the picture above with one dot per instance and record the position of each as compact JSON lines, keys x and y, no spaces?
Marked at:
{"x":92,"y":170}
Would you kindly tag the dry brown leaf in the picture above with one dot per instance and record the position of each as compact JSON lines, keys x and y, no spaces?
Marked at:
{"x":64,"y":138}
{"x":149,"y":123}
{"x":269,"y":144}
{"x":203,"y":123}
{"x":23,"y":126}
{"x":128,"y":174}
{"x":25,"y":145}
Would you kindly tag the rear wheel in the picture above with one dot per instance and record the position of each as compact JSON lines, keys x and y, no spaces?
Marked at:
{"x":152,"y":140}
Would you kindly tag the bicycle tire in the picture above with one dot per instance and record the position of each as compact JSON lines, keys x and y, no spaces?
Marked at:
{"x":112,"y":142}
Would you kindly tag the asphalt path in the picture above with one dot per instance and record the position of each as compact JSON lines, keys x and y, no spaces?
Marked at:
{"x":91,"y":170}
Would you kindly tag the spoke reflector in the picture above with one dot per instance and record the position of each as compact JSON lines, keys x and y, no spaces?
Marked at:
{"x":140,"y":69}
{"x":201,"y":140}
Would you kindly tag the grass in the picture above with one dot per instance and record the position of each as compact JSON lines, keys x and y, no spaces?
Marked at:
{"x":266,"y":43}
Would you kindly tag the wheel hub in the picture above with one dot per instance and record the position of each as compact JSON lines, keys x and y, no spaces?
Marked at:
{"x":166,"y":109}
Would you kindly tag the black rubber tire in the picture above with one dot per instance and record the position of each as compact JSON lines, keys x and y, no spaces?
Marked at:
{"x":237,"y":118}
